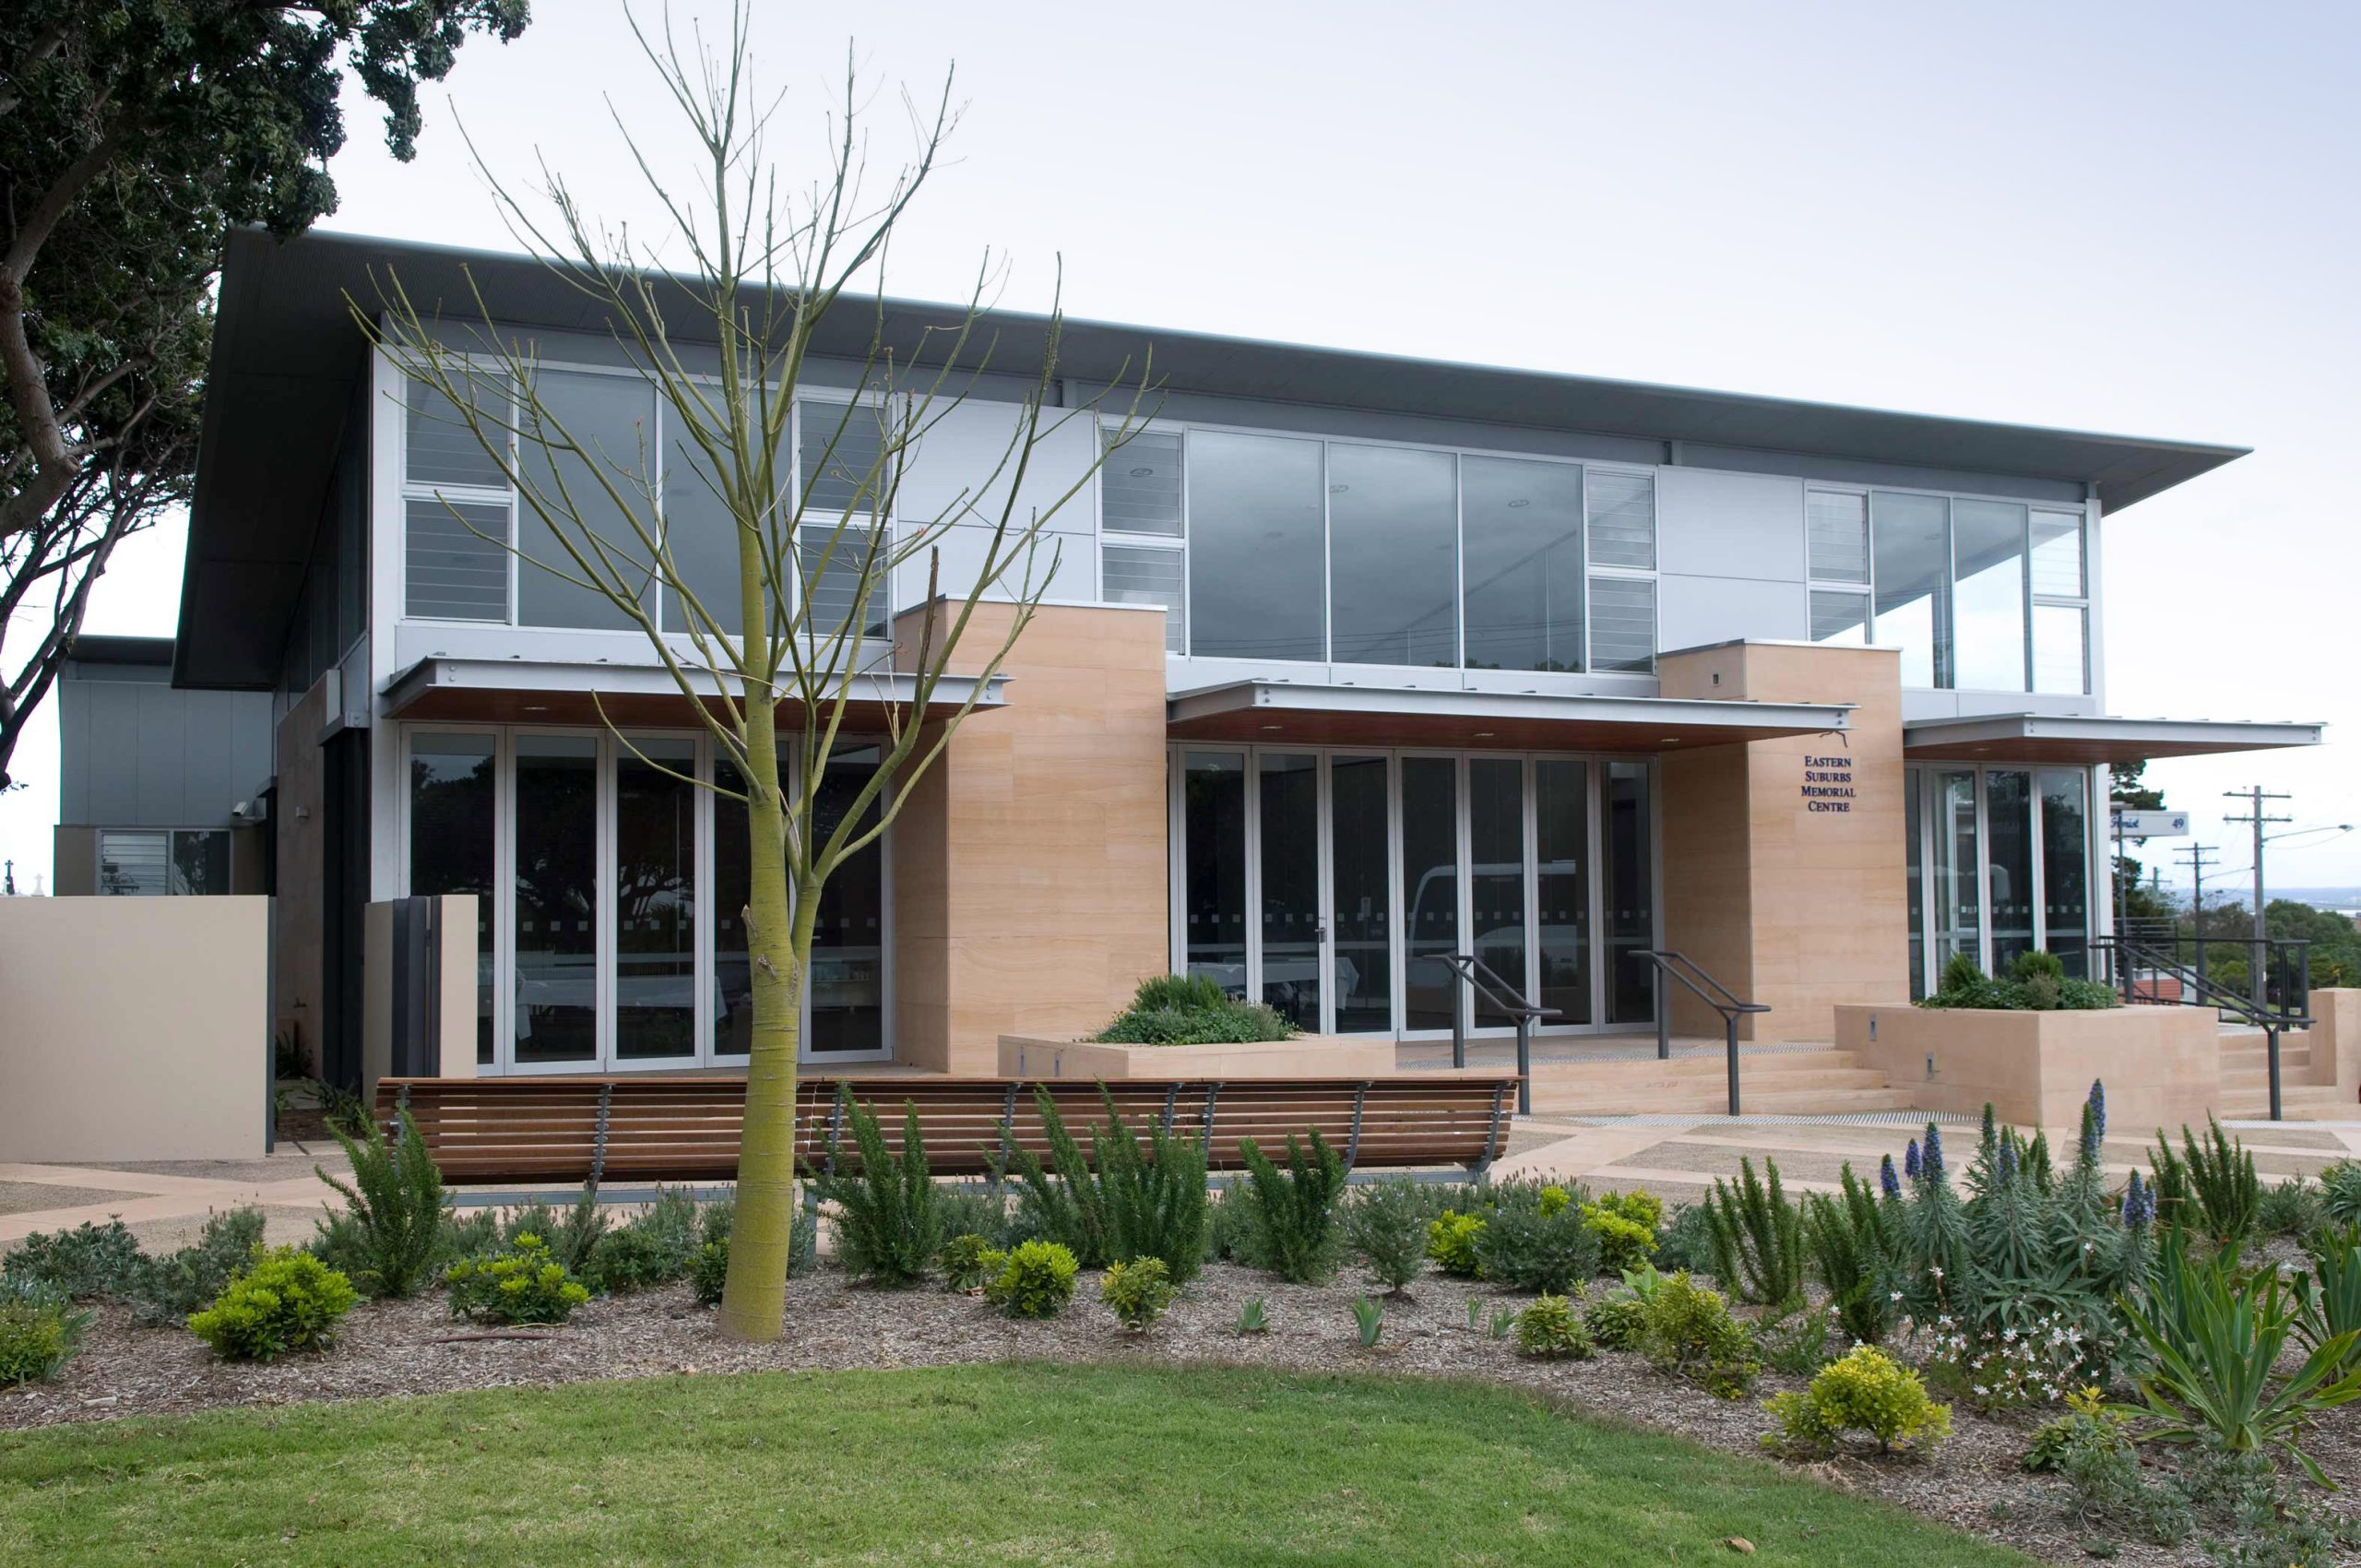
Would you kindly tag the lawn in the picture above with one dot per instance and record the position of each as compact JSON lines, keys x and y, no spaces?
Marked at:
{"x":988,"y":1464}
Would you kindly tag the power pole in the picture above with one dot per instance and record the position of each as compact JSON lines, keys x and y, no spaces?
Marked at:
{"x":2197,"y":864}
{"x":2254,"y":797}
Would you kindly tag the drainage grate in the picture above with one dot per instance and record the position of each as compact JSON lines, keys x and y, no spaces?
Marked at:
{"x":1835,"y":1119}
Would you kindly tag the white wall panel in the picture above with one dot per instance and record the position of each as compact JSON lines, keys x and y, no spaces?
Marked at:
{"x":1714,"y":524}
{"x":959,"y":454}
{"x":1695,"y":610}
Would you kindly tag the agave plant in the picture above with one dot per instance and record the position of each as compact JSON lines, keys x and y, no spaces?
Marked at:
{"x":2328,"y":1295}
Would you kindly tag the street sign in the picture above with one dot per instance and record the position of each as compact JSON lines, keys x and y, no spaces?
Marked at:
{"x":2152,"y":824}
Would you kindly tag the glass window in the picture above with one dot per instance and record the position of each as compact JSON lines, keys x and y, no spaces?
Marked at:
{"x":454,"y":560}
{"x":1430,"y":889}
{"x":1959,"y":915}
{"x":1521,"y":525}
{"x":1910,"y":538}
{"x":1915,"y":880}
{"x":2061,"y":660}
{"x":201,"y":861}
{"x":438,"y":447}
{"x":2058,"y":554}
{"x":1139,"y":488}
{"x":1134,"y":576}
{"x":847,"y":997}
{"x":830,"y":558}
{"x":1359,"y":855}
{"x":1623,"y":519}
{"x":656,"y":839}
{"x":1840,"y":617}
{"x":2007,"y":818}
{"x":1289,"y":796}
{"x":733,"y":975}
{"x":2065,"y":868}
{"x":134,"y":865}
{"x":702,"y":534}
{"x":1838,"y":526}
{"x":1629,"y":873}
{"x":452,"y":784}
{"x":1623,"y":624}
{"x":1561,"y":848}
{"x":1258,"y":552}
{"x":1213,"y":809}
{"x":1496,"y":873}
{"x":557,"y":898}
{"x":1989,"y":600}
{"x":844,"y":446}
{"x":1392,"y":560}
{"x":587,"y":462}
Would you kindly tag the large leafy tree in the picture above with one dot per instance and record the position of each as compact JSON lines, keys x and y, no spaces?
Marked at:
{"x":133,"y":135}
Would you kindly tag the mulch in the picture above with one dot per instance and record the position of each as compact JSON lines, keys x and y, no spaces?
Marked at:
{"x":411,"y":1348}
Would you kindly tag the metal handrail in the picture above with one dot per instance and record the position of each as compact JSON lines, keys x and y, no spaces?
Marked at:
{"x":1474,"y":972}
{"x":2126,"y":956}
{"x":1720,"y":998}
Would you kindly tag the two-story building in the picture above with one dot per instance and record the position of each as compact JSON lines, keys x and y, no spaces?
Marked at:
{"x":1349,"y":661}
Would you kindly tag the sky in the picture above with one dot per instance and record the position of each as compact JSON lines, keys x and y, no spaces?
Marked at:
{"x":2130,"y":218}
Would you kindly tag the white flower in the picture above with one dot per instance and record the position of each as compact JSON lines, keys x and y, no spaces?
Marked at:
{"x":1936,"y":1272}
{"x":1897,"y":1295}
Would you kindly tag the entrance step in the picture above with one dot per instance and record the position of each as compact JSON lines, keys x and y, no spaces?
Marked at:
{"x":1806,"y":1082}
{"x":1755,"y":1100}
{"x":1603,"y":1099}
{"x":1622,"y":1073}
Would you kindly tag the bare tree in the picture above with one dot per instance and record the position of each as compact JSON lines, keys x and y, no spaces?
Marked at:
{"x":724,"y":343}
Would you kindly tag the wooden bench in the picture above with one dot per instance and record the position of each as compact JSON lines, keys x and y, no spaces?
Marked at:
{"x":686,"y":1128}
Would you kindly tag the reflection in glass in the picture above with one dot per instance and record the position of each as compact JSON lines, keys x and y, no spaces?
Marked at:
{"x":1562,"y":846}
{"x":1840,"y":618}
{"x":606,"y":421}
{"x":733,"y":976}
{"x":1496,"y":874}
{"x":1910,"y":538}
{"x":2058,"y":554}
{"x":2007,"y":825}
{"x":1629,"y":887}
{"x":2065,"y":868}
{"x":1430,"y":889}
{"x":439,"y":448}
{"x":1289,"y":789}
{"x":1258,"y":554}
{"x":1959,"y":918}
{"x":1623,"y":519}
{"x":557,"y":898}
{"x":2061,"y":649}
{"x":1359,"y":923}
{"x":847,"y":994}
{"x":1139,"y":488}
{"x":1393,"y":569}
{"x":1988,"y":604}
{"x":1213,"y":792}
{"x":656,"y":950}
{"x":201,"y":860}
{"x":452,"y":780}
{"x":1915,"y":879}
{"x":1521,"y":524}
{"x":1837,"y":523}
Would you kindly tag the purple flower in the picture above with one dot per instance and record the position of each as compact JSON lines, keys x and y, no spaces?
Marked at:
{"x":2008,"y":1162}
{"x":1887,"y":1182}
{"x":1933,"y":1161}
{"x":1910,"y":1164}
{"x":2139,"y":1203}
{"x":2098,"y":1108}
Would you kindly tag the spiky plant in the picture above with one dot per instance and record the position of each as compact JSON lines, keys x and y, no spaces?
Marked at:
{"x":1153,"y":1200}
{"x":2210,"y":1187}
{"x":1757,"y":1237}
{"x":1064,"y":1198}
{"x":1291,"y":1214}
{"x":1855,"y":1245}
{"x":889,"y":1213}
{"x":395,"y":1209}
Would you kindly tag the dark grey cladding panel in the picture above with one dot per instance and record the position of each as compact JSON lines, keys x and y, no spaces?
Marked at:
{"x":245,"y":606}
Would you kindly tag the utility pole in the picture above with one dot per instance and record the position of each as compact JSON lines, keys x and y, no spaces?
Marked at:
{"x":2197,"y":864}
{"x":2254,"y":797}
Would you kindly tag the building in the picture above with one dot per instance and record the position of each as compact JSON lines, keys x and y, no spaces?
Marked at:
{"x":1350,"y":661}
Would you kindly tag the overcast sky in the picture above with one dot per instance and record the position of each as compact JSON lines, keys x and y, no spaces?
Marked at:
{"x":2137,"y":219}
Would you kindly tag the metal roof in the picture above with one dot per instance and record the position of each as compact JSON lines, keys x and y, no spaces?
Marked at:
{"x":1307,"y":713}
{"x":2032,"y":737}
{"x":287,"y":358}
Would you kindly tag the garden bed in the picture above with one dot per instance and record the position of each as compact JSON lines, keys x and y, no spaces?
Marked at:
{"x":1299,"y":1056}
{"x":394,"y":1348}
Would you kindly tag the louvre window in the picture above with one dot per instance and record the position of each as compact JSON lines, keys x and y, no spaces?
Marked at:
{"x":1839,"y":617}
{"x":1839,"y":527}
{"x":1623,"y":622}
{"x":455,"y":564}
{"x":842,"y":445}
{"x":438,"y":447}
{"x":1139,"y":488}
{"x":1135,"y":576}
{"x":830,"y":563}
{"x":1623,"y":520}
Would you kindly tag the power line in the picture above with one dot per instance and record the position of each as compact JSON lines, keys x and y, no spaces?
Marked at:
{"x":2197,"y":864}
{"x":2255,"y":814}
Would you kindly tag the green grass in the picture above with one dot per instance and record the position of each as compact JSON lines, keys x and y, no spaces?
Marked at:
{"x":1014,"y":1465}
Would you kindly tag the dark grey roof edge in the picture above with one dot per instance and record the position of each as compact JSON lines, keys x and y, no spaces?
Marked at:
{"x":89,"y":647}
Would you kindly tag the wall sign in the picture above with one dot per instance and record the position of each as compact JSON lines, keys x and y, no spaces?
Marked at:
{"x":1828,"y":784}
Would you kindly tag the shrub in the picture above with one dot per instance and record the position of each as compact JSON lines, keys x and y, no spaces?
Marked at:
{"x":716,"y":1220}
{"x":1155,"y":1199}
{"x":1035,"y":1281}
{"x":88,"y":1261}
{"x":651,"y":1248}
{"x":1450,"y":1242}
{"x":1854,"y":1242}
{"x":2341,"y":1192}
{"x":524,"y":1283}
{"x":1549,"y":1328}
{"x":1291,"y":1214}
{"x":39,"y":1330}
{"x":1795,"y":1341}
{"x":2089,"y":1422}
{"x":709,"y":1271}
{"x":1063,"y":1202}
{"x":1252,"y":1318}
{"x":1867,"y":1391}
{"x":2293,"y":1210}
{"x":963,"y":1262}
{"x":1386,"y":1226}
{"x":1138,"y":1291}
{"x":1757,"y":1237}
{"x":971,"y":1213}
{"x":1193,"y":1010}
{"x":285,"y":1301}
{"x":570,"y":1236}
{"x":1691,"y":1334}
{"x":2328,"y":1294}
{"x":1686,"y":1239}
{"x":1619,"y":1321}
{"x":167,"y":1290}
{"x":2210,"y":1187}
{"x":889,"y":1215}
{"x":1623,"y":1242}
{"x":2037,"y":982}
{"x":395,"y":1209}
{"x":1545,"y":1246}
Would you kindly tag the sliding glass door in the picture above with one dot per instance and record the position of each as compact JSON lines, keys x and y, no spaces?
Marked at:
{"x":1998,"y":864}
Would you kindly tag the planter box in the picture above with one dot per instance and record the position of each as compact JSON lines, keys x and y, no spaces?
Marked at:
{"x":1305,"y":1056}
{"x":2162,"y":1065}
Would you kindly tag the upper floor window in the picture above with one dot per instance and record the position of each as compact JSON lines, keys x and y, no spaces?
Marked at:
{"x":153,"y":861}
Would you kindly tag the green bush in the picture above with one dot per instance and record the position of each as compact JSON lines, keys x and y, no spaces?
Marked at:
{"x":1619,"y":1321}
{"x":2341,"y":1192}
{"x":1193,"y":1010}
{"x":170,"y":1288}
{"x":1385,"y":1227}
{"x":1795,"y":1341}
{"x":1686,"y":1239}
{"x":1035,"y":1281}
{"x":1291,"y":1214}
{"x":1549,"y":1328}
{"x":2209,"y":1187}
{"x":1546,"y":1246}
{"x":1691,"y":1334}
{"x":963,"y":1262}
{"x":284,"y":1301}
{"x":1138,"y":1291}
{"x":86,"y":1263}
{"x":889,"y":1214}
{"x":1854,"y":1242}
{"x":570,"y":1236}
{"x":1867,"y":1391}
{"x":2295,"y":1209}
{"x":651,"y":1248}
{"x":1757,"y":1237}
{"x":2089,"y":1422}
{"x":39,"y":1330}
{"x":1450,"y":1242}
{"x":1625,"y":1224}
{"x":395,"y":1209}
{"x":1155,"y":1196}
{"x":524,"y":1283}
{"x":709,"y":1271}
{"x":2037,"y":982}
{"x":716,"y":1220}
{"x":1064,"y":1201}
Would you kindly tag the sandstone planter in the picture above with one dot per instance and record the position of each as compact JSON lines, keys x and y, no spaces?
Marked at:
{"x":2162,"y":1065}
{"x":1305,"y":1056}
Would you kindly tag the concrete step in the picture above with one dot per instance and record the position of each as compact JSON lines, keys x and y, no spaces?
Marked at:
{"x":1868,"y":1093}
{"x":1623,"y":1071}
{"x":1638,"y":1087}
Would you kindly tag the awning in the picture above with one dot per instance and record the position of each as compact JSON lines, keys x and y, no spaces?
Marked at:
{"x":1314,"y":714}
{"x":2029,"y":737}
{"x":496,"y":691}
